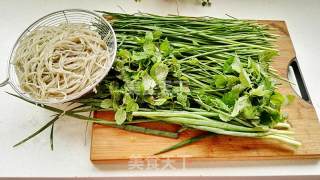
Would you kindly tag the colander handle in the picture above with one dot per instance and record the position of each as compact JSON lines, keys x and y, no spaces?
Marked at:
{"x":5,"y":82}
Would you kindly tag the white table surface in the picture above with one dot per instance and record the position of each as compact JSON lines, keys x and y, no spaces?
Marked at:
{"x":70,"y":157}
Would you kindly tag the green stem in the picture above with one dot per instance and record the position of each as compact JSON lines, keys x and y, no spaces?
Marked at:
{"x":184,"y":143}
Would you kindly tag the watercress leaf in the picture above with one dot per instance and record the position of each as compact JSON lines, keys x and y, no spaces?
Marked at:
{"x":288,"y":99}
{"x":127,"y":98}
{"x":139,"y":40}
{"x":250,"y":62}
{"x":265,"y":118}
{"x":132,"y":106}
{"x":124,"y":74}
{"x":159,"y":71}
{"x":106,"y":103}
{"x":175,"y":90}
{"x":185,"y":89}
{"x":244,"y":78}
{"x":182,"y":99}
{"x":124,"y":54}
{"x":120,"y":116}
{"x":156,"y":34}
{"x":227,"y":65}
{"x":135,"y":86}
{"x":129,"y":117}
{"x":250,"y":112}
{"x":220,"y":81}
{"x":137,"y":56}
{"x":231,"y":80}
{"x":149,"y":48}
{"x":165,"y":47}
{"x":236,"y":64}
{"x":159,"y":102}
{"x":277,"y":99}
{"x":115,"y":95}
{"x":119,"y":64}
{"x":184,"y":78}
{"x":193,"y":61}
{"x":267,"y":55}
{"x":240,"y":104}
{"x":149,"y":37}
{"x":218,"y":103}
{"x":230,"y":98}
{"x":155,"y":102}
{"x":260,"y":91}
{"x":238,"y":88}
{"x":156,"y":57}
{"x":255,"y":70}
{"x":148,"y":82}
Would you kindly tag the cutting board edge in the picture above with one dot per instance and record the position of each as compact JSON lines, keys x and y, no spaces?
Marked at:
{"x":268,"y":158}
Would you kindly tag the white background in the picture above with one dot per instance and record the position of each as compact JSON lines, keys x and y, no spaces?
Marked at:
{"x":71,"y":154}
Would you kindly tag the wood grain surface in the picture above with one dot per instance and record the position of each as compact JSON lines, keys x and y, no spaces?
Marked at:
{"x":115,"y":144}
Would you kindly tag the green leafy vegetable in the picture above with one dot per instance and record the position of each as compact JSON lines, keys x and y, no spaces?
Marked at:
{"x":120,"y":116}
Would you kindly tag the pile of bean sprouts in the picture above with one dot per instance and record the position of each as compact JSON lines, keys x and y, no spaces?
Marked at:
{"x":53,"y":62}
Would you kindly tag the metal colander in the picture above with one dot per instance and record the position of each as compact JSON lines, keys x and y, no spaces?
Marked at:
{"x":54,"y":19}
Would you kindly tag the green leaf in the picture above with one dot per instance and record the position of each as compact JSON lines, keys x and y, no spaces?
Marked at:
{"x":230,"y":98}
{"x":260,"y":91}
{"x":159,"y":102}
{"x":288,"y":99}
{"x":165,"y":47}
{"x":155,"y":102}
{"x":277,"y":99}
{"x":250,"y":112}
{"x":244,"y":78}
{"x":137,"y":56}
{"x":227,"y":65}
{"x":267,"y":55}
{"x":193,"y":61}
{"x":255,"y":69}
{"x":148,"y":82}
{"x":236,"y":64}
{"x":139,"y":40}
{"x":182,"y":99}
{"x":156,"y":57}
{"x":106,"y":103}
{"x":124,"y":54}
{"x":120,"y":116}
{"x":238,"y":88}
{"x":240,"y":104}
{"x":218,"y":103}
{"x":115,"y":95}
{"x":132,"y":106}
{"x":231,"y":80}
{"x":149,"y":37}
{"x":220,"y":81}
{"x":157,"y":34}
{"x":159,"y":71}
{"x":149,"y":48}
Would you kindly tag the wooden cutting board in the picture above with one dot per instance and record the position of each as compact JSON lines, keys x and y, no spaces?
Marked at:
{"x":115,"y":144}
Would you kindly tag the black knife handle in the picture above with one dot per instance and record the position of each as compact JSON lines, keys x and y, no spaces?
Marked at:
{"x":300,"y":81}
